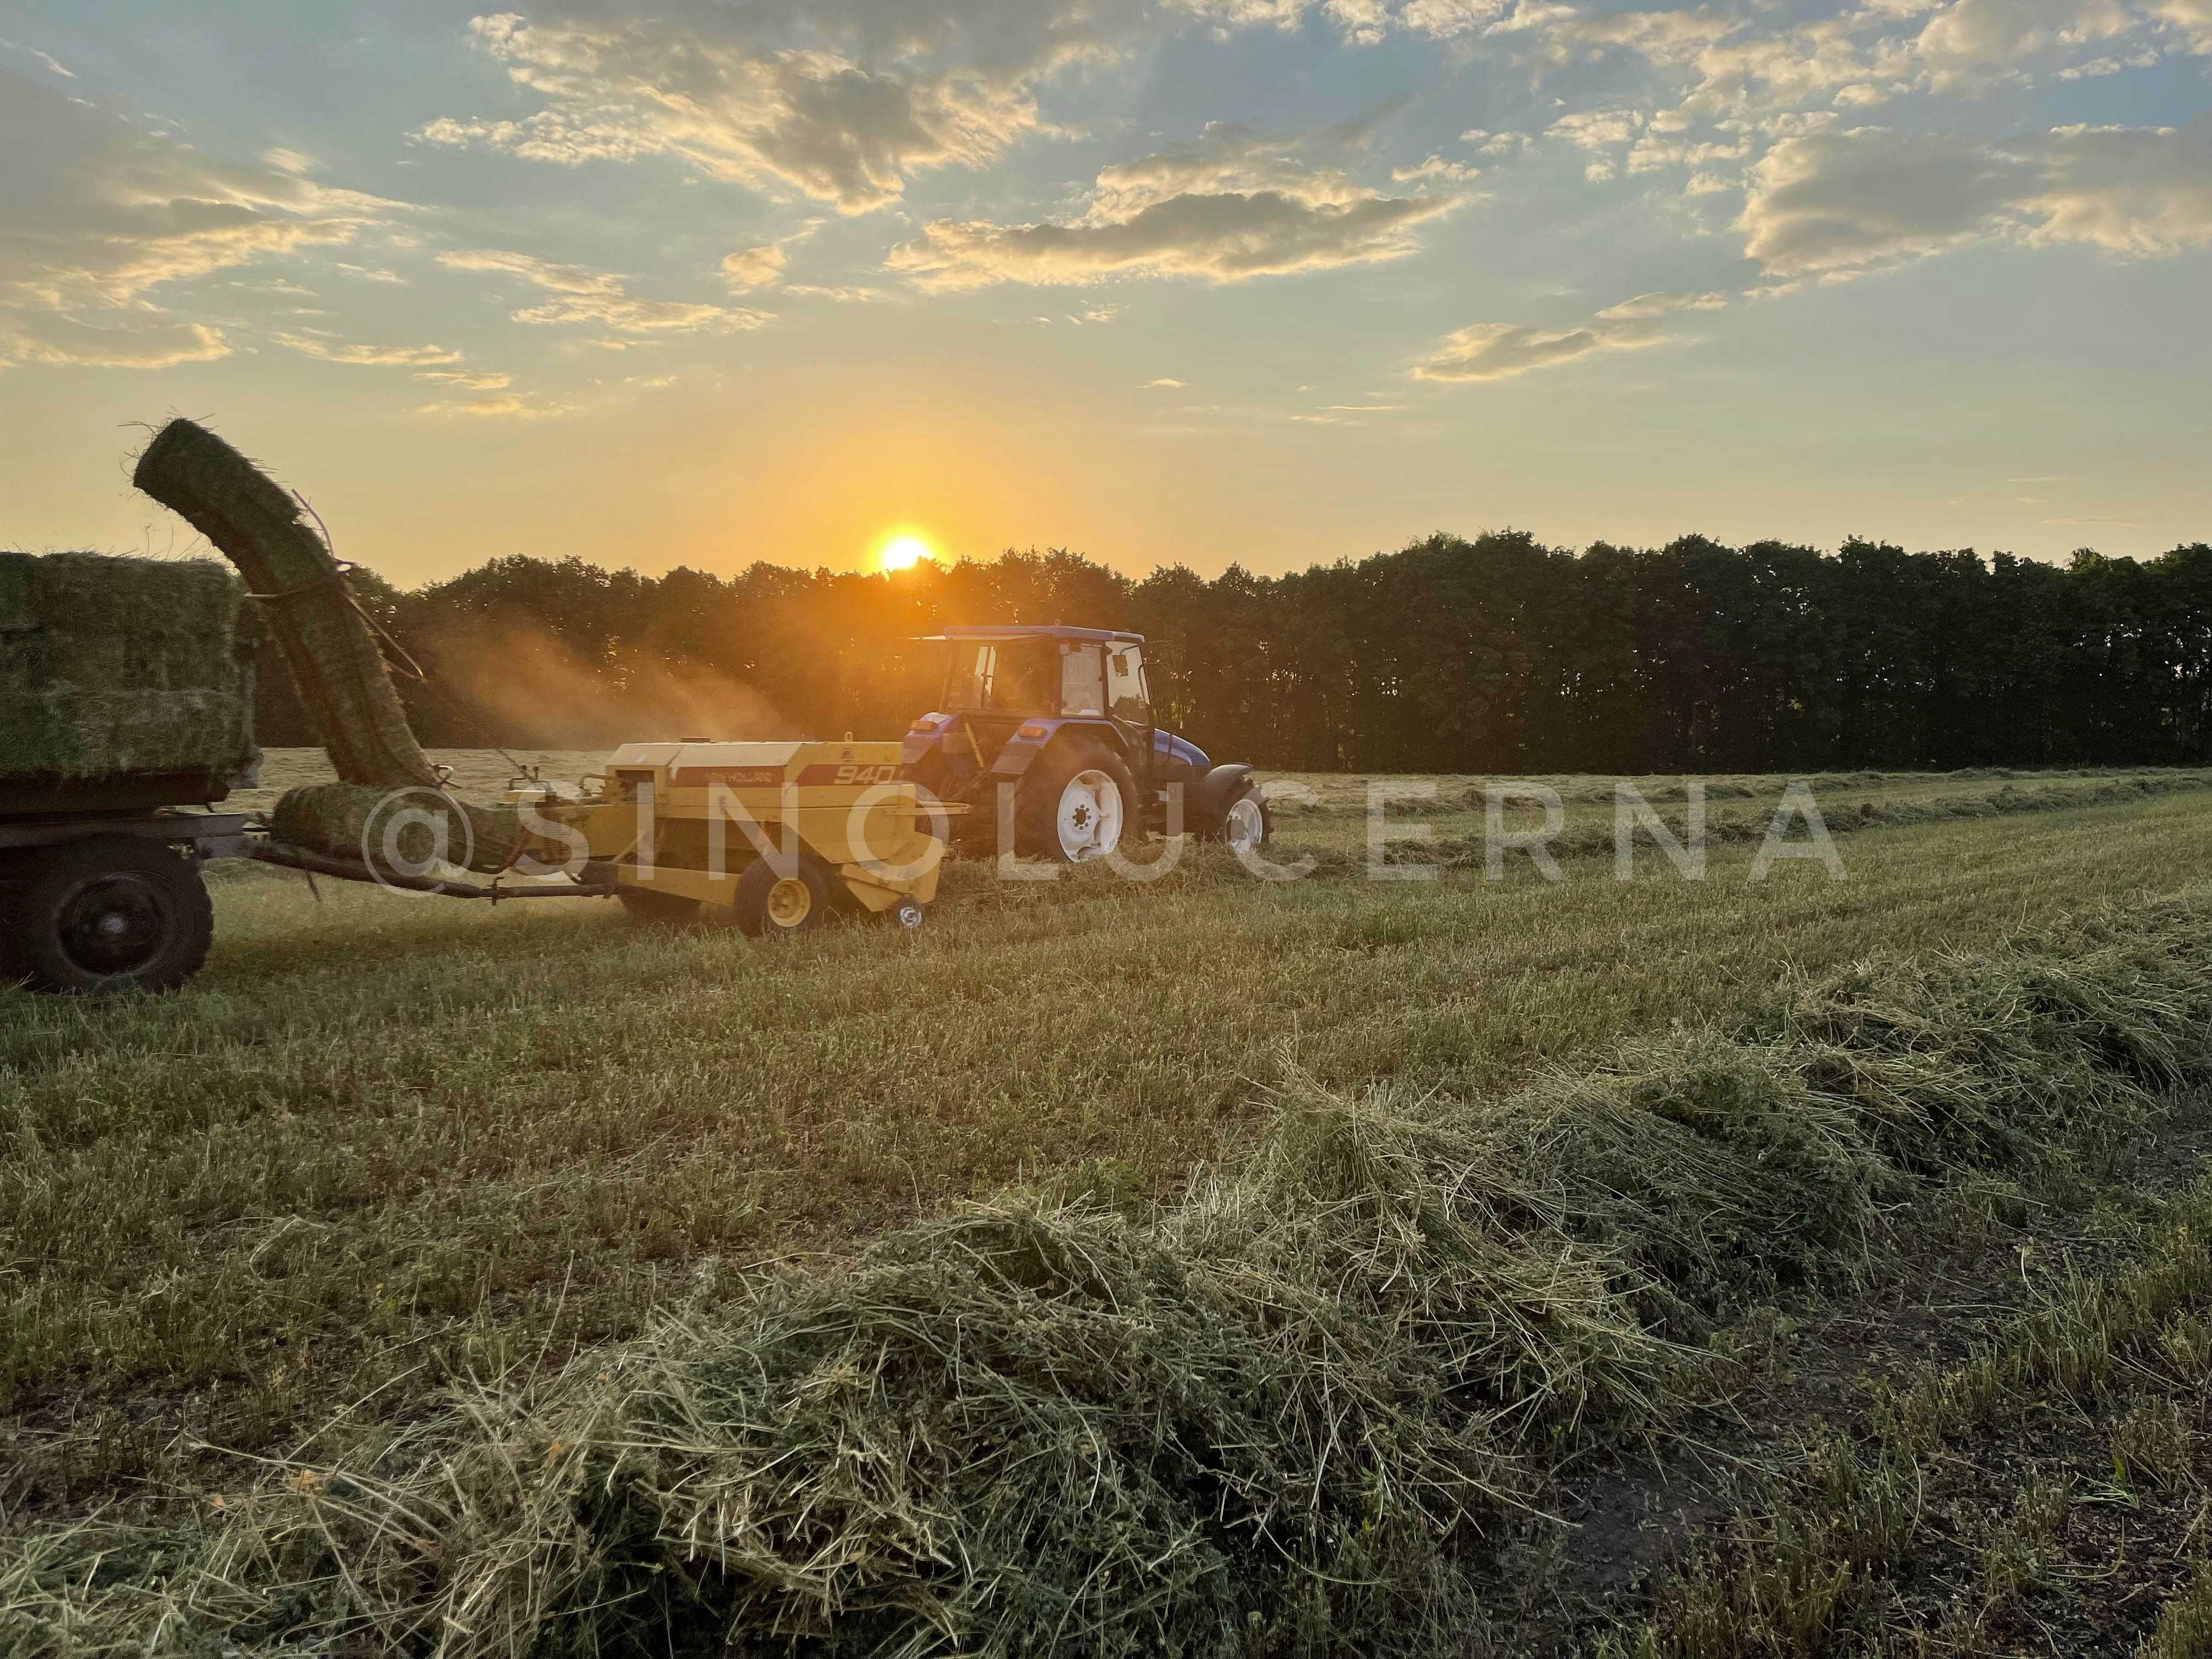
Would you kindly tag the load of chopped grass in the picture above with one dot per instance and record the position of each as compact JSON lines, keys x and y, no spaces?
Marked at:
{"x":335,"y":661}
{"x":1285,"y":1413}
{"x":110,"y":666}
{"x":408,"y":828}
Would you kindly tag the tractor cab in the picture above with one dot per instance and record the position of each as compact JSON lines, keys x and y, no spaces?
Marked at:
{"x":1052,"y":729}
{"x":999,"y":679}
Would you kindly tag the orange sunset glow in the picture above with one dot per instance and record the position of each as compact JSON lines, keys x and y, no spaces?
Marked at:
{"x":902,"y":551}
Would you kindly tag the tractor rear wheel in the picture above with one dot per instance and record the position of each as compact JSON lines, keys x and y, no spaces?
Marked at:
{"x":773,"y":902}
{"x":110,"y":914}
{"x":1074,"y":804}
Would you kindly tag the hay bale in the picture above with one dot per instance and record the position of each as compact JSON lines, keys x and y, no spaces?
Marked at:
{"x":331,"y":654}
{"x":406,"y":827}
{"x":116,"y":666}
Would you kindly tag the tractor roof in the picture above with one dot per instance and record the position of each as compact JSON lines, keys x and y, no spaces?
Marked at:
{"x":1018,"y":631}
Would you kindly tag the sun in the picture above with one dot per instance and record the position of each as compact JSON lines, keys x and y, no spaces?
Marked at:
{"x":902,"y":552}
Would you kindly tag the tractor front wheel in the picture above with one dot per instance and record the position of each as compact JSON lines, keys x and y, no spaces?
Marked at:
{"x":1244,"y":823}
{"x":1074,"y":804}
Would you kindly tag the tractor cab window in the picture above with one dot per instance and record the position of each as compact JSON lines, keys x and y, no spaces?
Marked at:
{"x":1011,"y":677}
{"x":1082,"y":688}
{"x":1025,"y":678}
{"x":970,"y":677}
{"x":1125,"y":686}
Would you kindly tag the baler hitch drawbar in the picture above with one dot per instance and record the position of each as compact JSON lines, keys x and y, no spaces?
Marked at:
{"x":322,"y":864}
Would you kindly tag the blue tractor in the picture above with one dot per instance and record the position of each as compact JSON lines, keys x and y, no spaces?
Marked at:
{"x":1062,"y":716}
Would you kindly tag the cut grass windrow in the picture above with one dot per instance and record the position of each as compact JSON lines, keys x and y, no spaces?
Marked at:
{"x":1585,"y":836}
{"x":2051,"y":1494}
{"x":1283,"y":1414}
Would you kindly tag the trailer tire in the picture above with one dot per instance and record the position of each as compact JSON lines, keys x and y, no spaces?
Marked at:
{"x":1077,"y":802}
{"x":110,"y":914}
{"x":773,"y":902}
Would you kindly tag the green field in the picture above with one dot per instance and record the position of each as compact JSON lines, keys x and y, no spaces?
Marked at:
{"x":383,"y":1143}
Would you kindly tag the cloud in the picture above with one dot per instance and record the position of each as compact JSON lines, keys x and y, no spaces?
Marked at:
{"x":843,"y":294}
{"x":501,"y":405}
{"x":1250,"y":14}
{"x":2190,"y":18}
{"x":1663,"y":37}
{"x":594,"y":297}
{"x":1099,"y":314}
{"x":45,"y":61}
{"x":370,"y":355}
{"x":1645,"y":307}
{"x":1222,"y":239}
{"x":1498,"y":352}
{"x":1163,"y":383}
{"x":1233,"y":206}
{"x":97,"y":214}
{"x":145,"y":340}
{"x":371,"y":273}
{"x":1435,"y":170}
{"x":482,"y":408}
{"x":1973,"y":39}
{"x":754,"y":267}
{"x":842,"y":101}
{"x":1841,"y":202}
{"x":763,"y":266}
{"x":466,"y":381}
{"x":1596,"y":129}
{"x":1230,"y":157}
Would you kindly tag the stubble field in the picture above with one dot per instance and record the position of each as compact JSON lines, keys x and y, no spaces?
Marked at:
{"x":384,"y":1144}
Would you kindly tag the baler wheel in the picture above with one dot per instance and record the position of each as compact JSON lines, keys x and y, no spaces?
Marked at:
{"x":773,"y":903}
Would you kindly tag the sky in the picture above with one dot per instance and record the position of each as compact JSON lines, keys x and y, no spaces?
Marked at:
{"x":1165,"y":282}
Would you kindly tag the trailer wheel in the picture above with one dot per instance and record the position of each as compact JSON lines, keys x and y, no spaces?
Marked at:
{"x":109,"y":913}
{"x":770,"y":903}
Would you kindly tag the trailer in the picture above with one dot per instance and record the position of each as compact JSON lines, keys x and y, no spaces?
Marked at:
{"x":98,"y":898}
{"x":126,"y":716}
{"x":773,"y":839}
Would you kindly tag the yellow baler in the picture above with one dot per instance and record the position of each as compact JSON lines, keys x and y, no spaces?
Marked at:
{"x":771,"y":836}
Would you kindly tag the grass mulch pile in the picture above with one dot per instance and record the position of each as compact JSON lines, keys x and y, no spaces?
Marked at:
{"x":1289,"y":1412}
{"x":114,"y":665}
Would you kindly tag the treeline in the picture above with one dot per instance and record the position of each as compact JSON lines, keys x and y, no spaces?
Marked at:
{"x":1494,"y":655}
